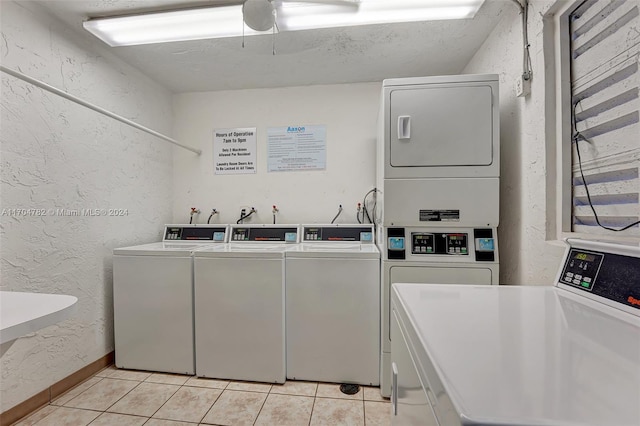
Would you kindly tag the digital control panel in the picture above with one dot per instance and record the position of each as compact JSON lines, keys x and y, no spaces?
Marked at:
{"x":200,"y":233}
{"x":363,"y":234}
{"x":609,"y":275}
{"x":422,"y":243}
{"x":470,"y":244}
{"x":275,"y":234}
{"x":439,"y":243}
{"x":582,"y":268}
{"x":457,"y":244}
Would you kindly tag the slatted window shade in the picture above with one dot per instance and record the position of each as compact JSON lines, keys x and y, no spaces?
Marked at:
{"x":605,"y":81}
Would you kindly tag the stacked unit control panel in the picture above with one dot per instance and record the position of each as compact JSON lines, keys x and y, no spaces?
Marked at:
{"x":438,"y":181}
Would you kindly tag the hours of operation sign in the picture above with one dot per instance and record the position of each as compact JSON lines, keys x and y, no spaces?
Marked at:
{"x":234,"y":151}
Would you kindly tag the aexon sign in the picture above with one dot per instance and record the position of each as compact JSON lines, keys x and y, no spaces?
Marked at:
{"x":296,"y":148}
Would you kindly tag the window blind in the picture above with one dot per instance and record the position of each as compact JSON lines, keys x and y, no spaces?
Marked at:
{"x":605,"y":81}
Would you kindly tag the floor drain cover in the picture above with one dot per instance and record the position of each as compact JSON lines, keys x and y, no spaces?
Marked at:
{"x":349,"y":389}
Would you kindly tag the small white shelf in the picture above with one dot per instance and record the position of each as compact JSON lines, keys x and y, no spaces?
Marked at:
{"x":24,"y":313}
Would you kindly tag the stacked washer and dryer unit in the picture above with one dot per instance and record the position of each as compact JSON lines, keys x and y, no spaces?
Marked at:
{"x":438,"y":176}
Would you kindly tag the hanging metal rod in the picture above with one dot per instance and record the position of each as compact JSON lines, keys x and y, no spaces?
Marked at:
{"x":96,"y":108}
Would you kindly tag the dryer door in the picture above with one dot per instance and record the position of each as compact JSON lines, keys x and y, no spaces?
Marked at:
{"x":436,"y":126}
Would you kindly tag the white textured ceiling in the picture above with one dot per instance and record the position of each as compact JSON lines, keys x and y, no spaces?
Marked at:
{"x":325,"y":56}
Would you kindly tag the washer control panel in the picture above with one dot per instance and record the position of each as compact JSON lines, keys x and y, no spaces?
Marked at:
{"x":582,"y":268}
{"x":272,"y":234}
{"x":603,"y":274}
{"x":363,"y":234}
{"x":195,"y":233}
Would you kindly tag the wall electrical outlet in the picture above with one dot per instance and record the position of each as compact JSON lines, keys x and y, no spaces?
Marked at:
{"x":523,"y":87}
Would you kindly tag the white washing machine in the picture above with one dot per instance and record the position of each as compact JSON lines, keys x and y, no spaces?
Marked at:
{"x":332,"y":305}
{"x":153,"y":299}
{"x":240,"y":305}
{"x":431,"y":255}
{"x":567,"y":354}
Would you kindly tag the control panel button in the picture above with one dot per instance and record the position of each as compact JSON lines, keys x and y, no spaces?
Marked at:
{"x":569,"y":274}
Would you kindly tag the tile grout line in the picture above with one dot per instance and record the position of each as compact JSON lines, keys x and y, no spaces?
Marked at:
{"x":130,"y":390}
{"x":163,"y":404}
{"x":214,"y":403}
{"x":262,"y":406}
{"x":364,"y":410}
{"x":313,"y":406}
{"x":209,"y":409}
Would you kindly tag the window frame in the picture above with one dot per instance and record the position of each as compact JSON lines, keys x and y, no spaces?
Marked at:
{"x":557,"y":48}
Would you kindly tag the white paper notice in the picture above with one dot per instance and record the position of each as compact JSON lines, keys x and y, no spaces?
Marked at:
{"x":234,"y":151}
{"x":296,"y":148}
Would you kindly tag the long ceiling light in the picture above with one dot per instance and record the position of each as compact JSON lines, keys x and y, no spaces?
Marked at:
{"x":164,"y":27}
{"x":301,"y":16}
{"x":227,"y":21}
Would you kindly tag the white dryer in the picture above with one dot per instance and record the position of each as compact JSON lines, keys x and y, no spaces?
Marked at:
{"x":240,"y":303}
{"x":454,"y":255}
{"x":153,"y":299}
{"x":567,"y":354}
{"x":438,"y":159}
{"x":333,"y":299}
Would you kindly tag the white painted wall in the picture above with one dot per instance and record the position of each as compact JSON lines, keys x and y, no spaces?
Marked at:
{"x":526,"y":257}
{"x":349,"y":113}
{"x":55,"y":154}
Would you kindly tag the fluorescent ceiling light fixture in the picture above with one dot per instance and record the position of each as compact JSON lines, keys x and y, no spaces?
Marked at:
{"x":302,"y":16}
{"x":227,"y":21}
{"x":163,"y":27}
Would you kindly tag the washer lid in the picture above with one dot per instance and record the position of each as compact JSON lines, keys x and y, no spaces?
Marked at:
{"x":248,"y":250}
{"x":521,"y":355}
{"x":334,"y":250}
{"x":161,"y":249}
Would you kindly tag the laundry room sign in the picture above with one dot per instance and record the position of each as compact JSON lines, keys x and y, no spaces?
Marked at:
{"x":234,"y":151}
{"x":296,"y":148}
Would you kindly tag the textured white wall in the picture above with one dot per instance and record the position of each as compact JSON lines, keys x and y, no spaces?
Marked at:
{"x":349,"y":112}
{"x":525,"y":255}
{"x":58,"y":155}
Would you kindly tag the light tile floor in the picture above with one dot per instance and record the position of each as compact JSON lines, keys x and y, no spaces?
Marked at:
{"x":132,"y":398}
